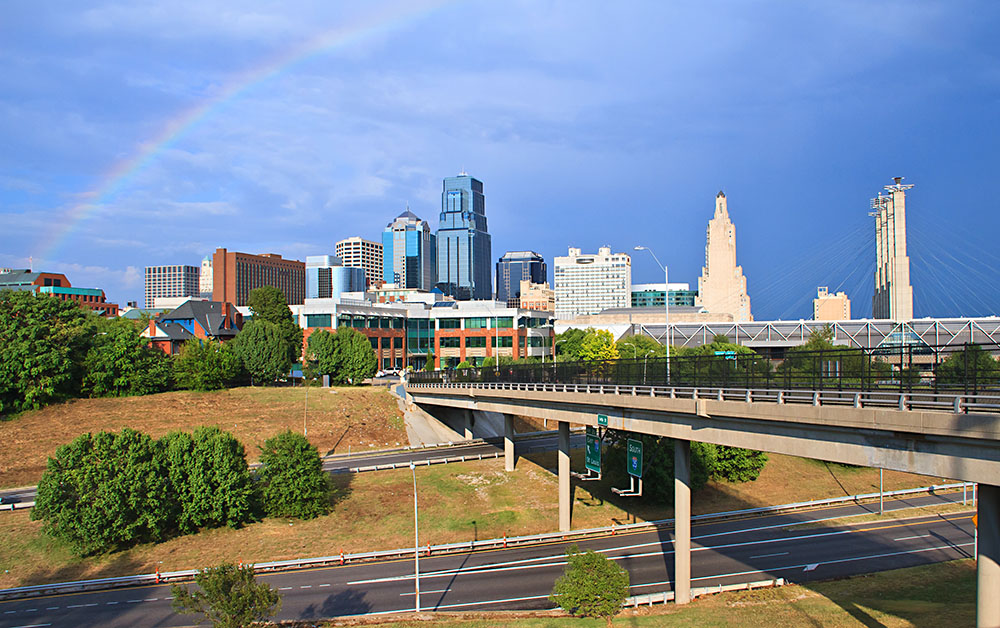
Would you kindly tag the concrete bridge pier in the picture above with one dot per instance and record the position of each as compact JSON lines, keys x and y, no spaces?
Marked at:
{"x":508,"y":442}
{"x":470,"y":420}
{"x":682,"y":521}
{"x":988,"y":560}
{"x":564,"y":488}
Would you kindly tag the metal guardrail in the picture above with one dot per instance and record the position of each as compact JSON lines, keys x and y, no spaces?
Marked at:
{"x":946,"y":402}
{"x":447,"y":548}
{"x":422,"y":463}
{"x":17,"y":506}
{"x":648,"y":599}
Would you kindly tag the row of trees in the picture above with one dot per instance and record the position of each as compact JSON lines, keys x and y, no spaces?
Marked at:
{"x":54,"y":350}
{"x":112,"y":490}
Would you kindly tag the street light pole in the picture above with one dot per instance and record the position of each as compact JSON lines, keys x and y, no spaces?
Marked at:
{"x":305,"y":410}
{"x":666,"y":304}
{"x":416,"y":539}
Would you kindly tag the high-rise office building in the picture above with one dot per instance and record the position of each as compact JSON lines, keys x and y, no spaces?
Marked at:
{"x":328,"y":278}
{"x":515,"y":267}
{"x":587,"y":284}
{"x":722,"y":288}
{"x":357,"y":252}
{"x":831,"y":307}
{"x":171,"y":281}
{"x":235,"y":274}
{"x":408,"y":253}
{"x":463,"y":242}
{"x":893,"y":297}
{"x":205,"y":283}
{"x":655,"y":294}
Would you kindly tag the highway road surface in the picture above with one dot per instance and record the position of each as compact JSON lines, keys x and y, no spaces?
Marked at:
{"x":800,"y":547}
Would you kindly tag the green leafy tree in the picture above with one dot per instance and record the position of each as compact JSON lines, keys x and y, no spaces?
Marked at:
{"x":464,"y":365}
{"x":489,"y":362}
{"x":719,"y":363}
{"x":43,"y":342}
{"x":229,"y":597}
{"x":969,"y":367}
{"x":567,"y":344}
{"x":640,"y":346}
{"x":736,"y":464}
{"x":267,"y":303}
{"x":598,"y":344}
{"x":120,"y":363}
{"x":263,"y":350}
{"x":105,"y":491}
{"x":292,"y":480}
{"x":429,"y":364}
{"x":591,"y":585}
{"x":346,"y":356}
{"x":210,"y":479}
{"x":207,"y":365}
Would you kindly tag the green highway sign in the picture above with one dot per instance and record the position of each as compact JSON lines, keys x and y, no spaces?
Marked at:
{"x":591,"y":431}
{"x":593,"y":452}
{"x":633,"y":458}
{"x":602,"y":420}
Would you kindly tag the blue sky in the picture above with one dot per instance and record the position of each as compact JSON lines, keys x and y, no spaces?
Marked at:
{"x":153,"y":133}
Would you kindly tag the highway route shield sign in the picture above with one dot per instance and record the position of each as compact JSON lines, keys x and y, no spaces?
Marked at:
{"x":633,"y":458}
{"x":602,"y":420}
{"x":593,"y":451}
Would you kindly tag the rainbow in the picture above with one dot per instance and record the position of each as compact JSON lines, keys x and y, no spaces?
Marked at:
{"x":122,"y":172}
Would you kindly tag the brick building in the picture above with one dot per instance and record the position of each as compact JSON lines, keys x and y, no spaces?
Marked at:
{"x":208,"y":320}
{"x":58,"y":286}
{"x":235,"y":274}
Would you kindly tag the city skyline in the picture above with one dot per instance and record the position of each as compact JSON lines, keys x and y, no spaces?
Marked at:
{"x":305,"y":127}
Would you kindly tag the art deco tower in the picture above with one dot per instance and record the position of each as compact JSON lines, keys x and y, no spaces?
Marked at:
{"x":722,"y":288}
{"x":893,"y":297}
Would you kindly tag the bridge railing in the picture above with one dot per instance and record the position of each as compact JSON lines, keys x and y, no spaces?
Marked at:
{"x":962,"y":369}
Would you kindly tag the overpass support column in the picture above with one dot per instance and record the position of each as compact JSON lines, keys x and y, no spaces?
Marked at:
{"x":682,"y":521}
{"x":988,"y":567}
{"x":508,"y":442}
{"x":564,"y":476}
{"x":469,"y":419}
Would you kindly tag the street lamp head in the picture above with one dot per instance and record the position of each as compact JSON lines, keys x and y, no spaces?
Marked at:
{"x":412,"y":466}
{"x":640,"y":248}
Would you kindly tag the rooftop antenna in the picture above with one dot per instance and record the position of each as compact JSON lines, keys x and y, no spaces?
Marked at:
{"x":31,"y":263}
{"x":463,"y":173}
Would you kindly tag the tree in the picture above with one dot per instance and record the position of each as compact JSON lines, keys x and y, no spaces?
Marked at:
{"x":267,"y":303}
{"x":567,"y":344}
{"x":210,"y":479}
{"x":489,"y":362}
{"x":640,"y":346}
{"x":598,"y":344}
{"x":736,"y":464}
{"x":263,"y":351}
{"x":346,"y":356}
{"x":292,"y":480}
{"x":43,"y":341}
{"x":206,"y":365}
{"x":969,"y":367}
{"x":230,"y":597}
{"x":120,"y":363}
{"x":591,"y":585}
{"x":105,"y":491}
{"x":429,"y":364}
{"x":463,"y":365}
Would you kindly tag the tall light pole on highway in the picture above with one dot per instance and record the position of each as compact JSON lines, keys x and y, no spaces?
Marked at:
{"x":416,"y":539}
{"x":666,"y":305}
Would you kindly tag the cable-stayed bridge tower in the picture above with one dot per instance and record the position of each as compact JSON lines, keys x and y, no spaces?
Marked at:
{"x":893,"y":297}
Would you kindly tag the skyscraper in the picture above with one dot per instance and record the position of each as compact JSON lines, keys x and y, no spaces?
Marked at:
{"x":235,"y":275}
{"x":408,"y":256}
{"x":205,"y":281}
{"x":517,"y":266}
{"x":357,"y":252}
{"x":328,"y":278}
{"x":171,"y":281}
{"x":722,"y":288}
{"x":463,"y":243}
{"x":893,"y":297}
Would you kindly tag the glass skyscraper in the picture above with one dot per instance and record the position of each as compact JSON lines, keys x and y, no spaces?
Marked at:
{"x":517,"y":266}
{"x":408,"y":256}
{"x":328,"y":278}
{"x":464,"y":255}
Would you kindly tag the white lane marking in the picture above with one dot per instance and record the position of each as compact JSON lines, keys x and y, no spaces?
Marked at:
{"x":111,"y":603}
{"x":32,"y":626}
{"x":133,"y":601}
{"x":9,"y":612}
{"x":75,"y":606}
{"x":770,"y":555}
{"x":31,"y":610}
{"x":324,"y":585}
{"x":53,"y":608}
{"x":150,"y":599}
{"x":422,"y":592}
{"x":811,"y":567}
{"x":284,"y":588}
{"x":910,"y":538}
{"x":306,"y":586}
{"x":513,"y":599}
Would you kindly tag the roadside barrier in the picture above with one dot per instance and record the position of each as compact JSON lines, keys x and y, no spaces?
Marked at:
{"x":453,"y":548}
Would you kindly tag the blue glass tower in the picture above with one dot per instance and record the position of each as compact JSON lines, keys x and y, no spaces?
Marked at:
{"x":515,"y":267}
{"x":464,"y":254}
{"x":408,"y":256}
{"x":328,"y":278}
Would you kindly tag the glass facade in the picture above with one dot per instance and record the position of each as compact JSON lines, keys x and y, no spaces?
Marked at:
{"x":464,"y":251}
{"x":419,"y":335}
{"x":654,"y":298}
{"x":326,"y":278}
{"x":409,"y":258}
{"x":515,"y":267}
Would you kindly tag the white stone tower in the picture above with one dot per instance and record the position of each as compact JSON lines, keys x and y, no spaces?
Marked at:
{"x":893,"y":297}
{"x":722,"y":288}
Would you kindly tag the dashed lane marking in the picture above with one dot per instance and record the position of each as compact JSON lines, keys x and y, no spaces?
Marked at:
{"x":910,"y":538}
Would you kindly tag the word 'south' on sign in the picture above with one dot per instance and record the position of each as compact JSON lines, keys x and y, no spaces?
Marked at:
{"x":633,"y":458}
{"x":602,"y":420}
{"x":593,"y":450}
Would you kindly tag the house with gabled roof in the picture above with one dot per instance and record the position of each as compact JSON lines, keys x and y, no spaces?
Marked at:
{"x":208,"y":320}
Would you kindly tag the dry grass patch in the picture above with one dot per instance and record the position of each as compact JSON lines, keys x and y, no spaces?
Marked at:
{"x":338,"y":419}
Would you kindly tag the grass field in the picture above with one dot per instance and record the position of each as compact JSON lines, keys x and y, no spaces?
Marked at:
{"x":938,"y":596}
{"x":338,"y":419}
